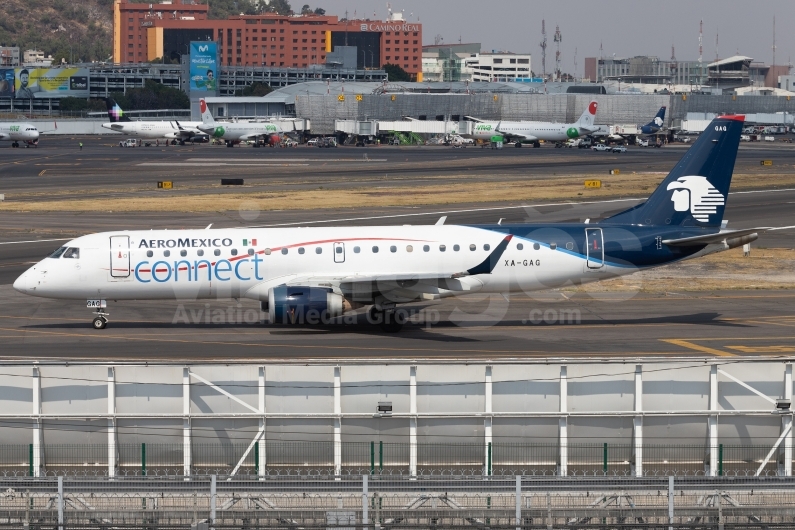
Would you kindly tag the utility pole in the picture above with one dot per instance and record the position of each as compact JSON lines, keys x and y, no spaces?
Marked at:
{"x":700,"y":41}
{"x":774,"y":40}
{"x":557,"y":38}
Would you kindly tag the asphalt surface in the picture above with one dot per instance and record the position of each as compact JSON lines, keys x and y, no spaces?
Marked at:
{"x":544,"y":324}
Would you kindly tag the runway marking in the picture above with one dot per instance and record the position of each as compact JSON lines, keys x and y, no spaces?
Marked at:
{"x":191,"y":164}
{"x":43,"y":171}
{"x":698,"y":347}
{"x":763,"y":349}
{"x":259,"y":160}
{"x":35,"y":241}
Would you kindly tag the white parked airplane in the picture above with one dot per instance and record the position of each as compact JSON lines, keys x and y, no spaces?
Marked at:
{"x":533,"y":131}
{"x":304,"y":274}
{"x":16,"y":132}
{"x":235,"y":132}
{"x":181,"y":131}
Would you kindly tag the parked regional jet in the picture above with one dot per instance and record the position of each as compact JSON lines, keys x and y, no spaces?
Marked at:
{"x":533,"y":131}
{"x":235,"y":132}
{"x":172,"y":130}
{"x":643,"y":130}
{"x":16,"y":132}
{"x":298,"y":273}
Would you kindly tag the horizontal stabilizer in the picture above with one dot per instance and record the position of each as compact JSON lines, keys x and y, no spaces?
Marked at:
{"x":721,"y":236}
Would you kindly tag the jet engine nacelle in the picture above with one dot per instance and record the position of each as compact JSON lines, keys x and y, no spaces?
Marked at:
{"x":304,"y":305}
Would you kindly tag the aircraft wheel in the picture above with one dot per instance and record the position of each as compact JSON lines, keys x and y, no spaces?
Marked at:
{"x":374,"y":316}
{"x":391,"y":326}
{"x":537,"y":144}
{"x":99,"y":322}
{"x":518,"y":144}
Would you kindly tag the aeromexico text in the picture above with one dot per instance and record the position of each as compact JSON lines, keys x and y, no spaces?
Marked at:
{"x":187,"y":242}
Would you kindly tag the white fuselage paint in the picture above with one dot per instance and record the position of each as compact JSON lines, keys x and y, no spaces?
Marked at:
{"x":156,"y":129}
{"x":229,"y":269}
{"x":18,"y":132}
{"x":239,"y":131}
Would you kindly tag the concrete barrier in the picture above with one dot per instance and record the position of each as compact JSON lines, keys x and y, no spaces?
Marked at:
{"x":71,"y":127}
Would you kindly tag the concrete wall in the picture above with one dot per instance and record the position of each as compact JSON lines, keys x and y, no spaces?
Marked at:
{"x":72,"y":127}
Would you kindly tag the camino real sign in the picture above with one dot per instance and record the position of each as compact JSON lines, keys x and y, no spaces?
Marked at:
{"x":387,"y":26}
{"x":34,"y":83}
{"x":203,"y":67}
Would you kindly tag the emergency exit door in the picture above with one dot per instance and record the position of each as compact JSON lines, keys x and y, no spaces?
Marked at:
{"x":339,"y":252}
{"x":595,"y":251}
{"x":119,"y":256}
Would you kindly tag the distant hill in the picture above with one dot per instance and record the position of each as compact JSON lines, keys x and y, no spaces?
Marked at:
{"x":82,"y":30}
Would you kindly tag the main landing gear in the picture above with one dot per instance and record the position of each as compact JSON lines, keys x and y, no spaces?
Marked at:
{"x":390,"y":320}
{"x":100,"y":320}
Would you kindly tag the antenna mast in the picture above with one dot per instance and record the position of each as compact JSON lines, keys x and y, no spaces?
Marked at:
{"x":543,"y":49}
{"x":700,"y":40}
{"x":557,"y":38}
{"x":774,"y":40}
{"x":575,"y":64}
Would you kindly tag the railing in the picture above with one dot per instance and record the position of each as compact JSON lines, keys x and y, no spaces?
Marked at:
{"x":317,"y":459}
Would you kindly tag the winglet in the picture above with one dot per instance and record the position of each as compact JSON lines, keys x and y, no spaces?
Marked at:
{"x":487,"y":266}
{"x":441,"y":220}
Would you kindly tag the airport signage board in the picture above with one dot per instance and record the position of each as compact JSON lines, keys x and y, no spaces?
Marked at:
{"x":389,"y":27}
{"x":36,"y":83}
{"x":203,"y":67}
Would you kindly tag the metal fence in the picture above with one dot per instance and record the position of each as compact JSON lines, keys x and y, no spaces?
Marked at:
{"x":316,"y":459}
{"x":388,"y":502}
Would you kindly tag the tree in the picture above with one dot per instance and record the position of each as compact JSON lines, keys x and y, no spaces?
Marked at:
{"x":306,"y":10}
{"x":152,"y":96}
{"x":320,"y":11}
{"x":280,"y":7}
{"x":255,"y":89}
{"x":396,"y":73}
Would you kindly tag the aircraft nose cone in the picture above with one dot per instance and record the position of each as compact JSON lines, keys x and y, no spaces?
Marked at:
{"x":21,"y":283}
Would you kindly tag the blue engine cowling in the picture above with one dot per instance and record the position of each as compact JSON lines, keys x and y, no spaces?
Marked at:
{"x":303,"y":305}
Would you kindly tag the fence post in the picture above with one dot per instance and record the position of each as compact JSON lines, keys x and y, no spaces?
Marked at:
{"x":256,"y":458}
{"x":212,"y":500}
{"x":518,"y":502}
{"x":488,"y":468}
{"x":60,"y":502}
{"x":143,"y":459}
{"x":372,"y":458}
{"x":604,"y":459}
{"x":365,"y":506}
{"x":720,"y":460}
{"x":381,"y":458}
{"x":671,"y":502}
{"x":30,"y":461}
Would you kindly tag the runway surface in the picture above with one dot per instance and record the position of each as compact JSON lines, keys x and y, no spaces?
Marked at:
{"x":545,"y":324}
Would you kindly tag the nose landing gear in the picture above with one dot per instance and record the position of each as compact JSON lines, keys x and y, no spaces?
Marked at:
{"x":100,"y":319}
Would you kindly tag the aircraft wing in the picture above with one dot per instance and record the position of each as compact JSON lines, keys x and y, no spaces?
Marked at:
{"x":721,"y":236}
{"x":4,"y":136}
{"x":527,"y":137}
{"x":253,"y":136}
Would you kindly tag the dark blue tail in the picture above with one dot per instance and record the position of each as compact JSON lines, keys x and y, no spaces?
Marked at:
{"x":695,"y":192}
{"x":656,"y":124}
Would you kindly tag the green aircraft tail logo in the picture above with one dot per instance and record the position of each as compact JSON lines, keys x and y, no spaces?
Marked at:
{"x":219,"y":132}
{"x":572,"y":132}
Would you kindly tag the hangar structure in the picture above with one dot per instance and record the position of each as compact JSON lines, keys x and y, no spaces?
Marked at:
{"x":645,"y":417}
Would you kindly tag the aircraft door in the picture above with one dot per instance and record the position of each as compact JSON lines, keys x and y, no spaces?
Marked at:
{"x":120,"y":256}
{"x":594,"y":248}
{"x":339,"y":252}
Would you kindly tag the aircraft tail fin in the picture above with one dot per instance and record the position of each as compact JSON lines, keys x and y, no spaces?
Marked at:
{"x":587,"y":117}
{"x":695,"y":191}
{"x":207,"y":116}
{"x":655,"y":124}
{"x":114,"y":111}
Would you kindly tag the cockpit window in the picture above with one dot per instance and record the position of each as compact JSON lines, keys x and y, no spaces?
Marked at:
{"x":57,"y":253}
{"x":72,"y":252}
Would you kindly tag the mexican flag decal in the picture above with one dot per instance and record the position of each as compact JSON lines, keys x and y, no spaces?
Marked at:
{"x":252,"y":242}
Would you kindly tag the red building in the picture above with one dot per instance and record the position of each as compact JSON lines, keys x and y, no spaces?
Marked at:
{"x":145,"y":32}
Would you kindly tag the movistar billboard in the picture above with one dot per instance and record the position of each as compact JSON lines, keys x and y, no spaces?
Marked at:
{"x":203,"y":67}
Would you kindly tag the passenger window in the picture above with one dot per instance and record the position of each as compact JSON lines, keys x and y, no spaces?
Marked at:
{"x":553,"y":246}
{"x":375,"y":250}
{"x":251,"y":252}
{"x":72,"y":253}
{"x":267,"y":252}
{"x":486,"y":247}
{"x":183,"y":253}
{"x":234,"y":252}
{"x":442,"y":248}
{"x":319,"y":250}
{"x":217,"y":252}
{"x":456,"y":248}
{"x":393,"y":248}
{"x":57,"y":254}
{"x":301,"y":250}
{"x":166,"y":253}
{"x":570,"y":246}
{"x":200,"y":252}
{"x":338,"y":250}
{"x":284,"y":251}
{"x":473,"y":247}
{"x":536,"y":246}
{"x":409,"y":248}
{"x":356,"y":250}
{"x":519,"y":246}
{"x":149,"y":253}
{"x":426,"y":248}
